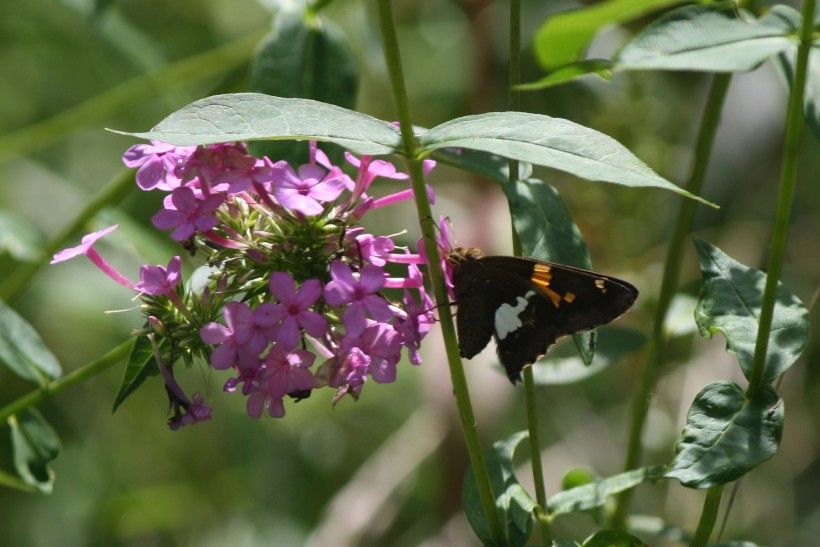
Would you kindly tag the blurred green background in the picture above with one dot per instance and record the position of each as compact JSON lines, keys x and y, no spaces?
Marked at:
{"x":387,"y":469}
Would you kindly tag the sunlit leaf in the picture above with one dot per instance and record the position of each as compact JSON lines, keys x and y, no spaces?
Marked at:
{"x":589,"y":496}
{"x":19,"y":238}
{"x":598,"y":67}
{"x":613,"y":538}
{"x":35,"y":445}
{"x":140,"y":366}
{"x":726,"y":435}
{"x":730,"y":301}
{"x":513,"y":502}
{"x":22,"y":350}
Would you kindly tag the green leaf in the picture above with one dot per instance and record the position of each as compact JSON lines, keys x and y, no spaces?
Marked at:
{"x":514,"y":503}
{"x":811,"y":98}
{"x":730,"y":302}
{"x":726,"y":435}
{"x":35,"y":445}
{"x":305,"y":57}
{"x":651,"y":525}
{"x":19,"y":238}
{"x":565,"y":543}
{"x":481,"y":163}
{"x":613,"y":538}
{"x":11,"y":481}
{"x":711,"y":37}
{"x":599,"y":67}
{"x":563,"y":366}
{"x":254,"y":117}
{"x":563,"y":38}
{"x":552,"y":142}
{"x":23,"y":351}
{"x":589,"y":496}
{"x":140,"y":366}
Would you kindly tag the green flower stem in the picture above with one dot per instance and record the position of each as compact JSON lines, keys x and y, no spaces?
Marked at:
{"x":794,"y":122}
{"x":86,"y":371}
{"x":98,"y":108}
{"x":111,"y":194}
{"x":669,"y":284}
{"x":708,"y":517}
{"x":428,"y":227}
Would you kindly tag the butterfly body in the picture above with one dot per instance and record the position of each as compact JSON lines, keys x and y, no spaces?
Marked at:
{"x":526,"y":304}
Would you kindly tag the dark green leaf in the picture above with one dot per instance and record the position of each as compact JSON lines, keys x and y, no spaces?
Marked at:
{"x":254,"y":117}
{"x":514,"y":503}
{"x":726,"y":435}
{"x":710,"y":37}
{"x":487,"y":165}
{"x":141,"y":365}
{"x":308,"y":58}
{"x":730,"y":302}
{"x":594,"y":495}
{"x":563,"y":366}
{"x":811,"y":99}
{"x":599,"y":67}
{"x":552,"y":142}
{"x":563,"y":38}
{"x":19,"y":238}
{"x":23,"y":351}
{"x":35,"y":444}
{"x":613,"y":538}
{"x":11,"y":481}
{"x":565,"y":543}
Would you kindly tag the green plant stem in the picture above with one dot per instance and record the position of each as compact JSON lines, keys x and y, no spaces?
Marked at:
{"x":427,"y":226}
{"x":785,"y":200}
{"x":669,"y":284}
{"x":318,"y":6}
{"x":708,"y":517}
{"x":112,"y":193}
{"x":86,"y":371}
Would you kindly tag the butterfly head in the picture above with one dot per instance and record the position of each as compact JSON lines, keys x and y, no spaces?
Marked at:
{"x":459,"y":255}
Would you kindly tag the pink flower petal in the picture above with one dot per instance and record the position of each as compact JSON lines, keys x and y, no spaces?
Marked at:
{"x":287,"y":335}
{"x":315,"y":324}
{"x":309,"y":292}
{"x":283,"y":287}
{"x":214,"y":333}
{"x":372,"y":279}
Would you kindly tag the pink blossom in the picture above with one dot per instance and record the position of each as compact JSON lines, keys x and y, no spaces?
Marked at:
{"x":306,"y":191}
{"x":159,"y":281}
{"x":286,"y":372}
{"x":419,"y":320}
{"x":360,"y":294}
{"x":373,"y":249}
{"x":157,"y":162}
{"x":187,"y":214}
{"x":86,"y":247}
{"x":369,"y":169}
{"x":293,"y":309}
{"x":220,"y":167}
{"x":382,"y":344}
{"x":351,"y":374}
{"x":241,"y":339}
{"x":194,"y":412}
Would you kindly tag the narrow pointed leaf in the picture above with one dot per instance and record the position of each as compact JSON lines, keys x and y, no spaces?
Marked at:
{"x":514,"y":503}
{"x":586,"y":67}
{"x":11,"y":481}
{"x":35,"y":445}
{"x":23,"y":351}
{"x":730,"y":302}
{"x":726,"y":435}
{"x":254,"y":117}
{"x":811,"y":97}
{"x":552,"y":142}
{"x":710,"y":37}
{"x":589,"y":496}
{"x":140,"y":366}
{"x":613,"y":538}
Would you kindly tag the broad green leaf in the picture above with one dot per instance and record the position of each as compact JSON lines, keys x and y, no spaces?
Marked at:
{"x":514,"y":503}
{"x":613,"y":538}
{"x":255,"y":117}
{"x":35,"y":445}
{"x":730,"y":302}
{"x":305,"y":57}
{"x":599,"y":67}
{"x":552,"y":142}
{"x":140,"y":366}
{"x":589,"y":496}
{"x":711,"y":37}
{"x":811,"y":99}
{"x":564,"y":37}
{"x":563,"y":366}
{"x":23,"y":351}
{"x":726,"y":435}
{"x":19,"y":238}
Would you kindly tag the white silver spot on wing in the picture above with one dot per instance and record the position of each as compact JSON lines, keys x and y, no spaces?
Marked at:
{"x":506,"y":316}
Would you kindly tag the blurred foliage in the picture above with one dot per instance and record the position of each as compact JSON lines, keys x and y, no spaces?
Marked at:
{"x":127,"y":480}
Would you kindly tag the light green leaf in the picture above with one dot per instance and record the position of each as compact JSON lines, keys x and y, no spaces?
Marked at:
{"x":552,"y":142}
{"x":23,"y":351}
{"x":514,"y":503}
{"x":730,"y":302}
{"x":140,"y":366}
{"x":613,"y":538}
{"x":564,"y":366}
{"x":254,"y":117}
{"x":19,"y":238}
{"x":589,"y":496}
{"x":599,"y":67}
{"x":35,"y":445}
{"x":711,"y":37}
{"x":563,"y":37}
{"x":726,"y":435}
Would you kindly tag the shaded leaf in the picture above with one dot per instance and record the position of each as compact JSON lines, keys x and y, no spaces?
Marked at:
{"x":481,"y":163}
{"x":730,"y":302}
{"x":589,"y":496}
{"x":552,"y":142}
{"x":514,"y":503}
{"x":726,"y":435}
{"x":710,"y":37}
{"x":19,"y":238}
{"x":140,"y":366}
{"x":811,"y":99}
{"x":11,"y":481}
{"x":565,"y":543}
{"x":564,"y":37}
{"x":23,"y":351}
{"x":254,"y":117}
{"x":35,"y":445}
{"x":598,"y":67}
{"x":613,"y":538}
{"x":651,"y":525}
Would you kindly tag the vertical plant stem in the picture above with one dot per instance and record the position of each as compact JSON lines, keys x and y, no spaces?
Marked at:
{"x":788,"y":172}
{"x":708,"y":517}
{"x":427,"y":226}
{"x":669,"y":283}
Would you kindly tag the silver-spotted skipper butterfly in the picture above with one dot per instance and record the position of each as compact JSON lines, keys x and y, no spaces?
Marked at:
{"x":527,"y":303}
